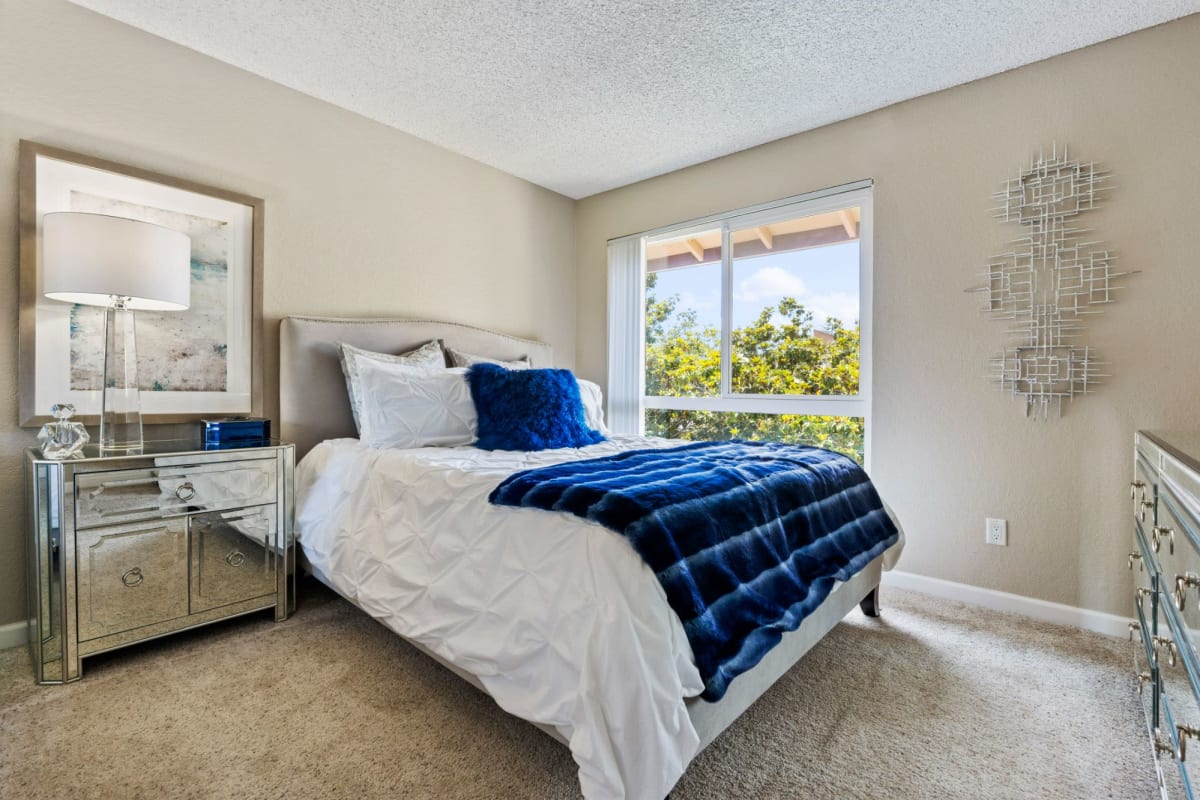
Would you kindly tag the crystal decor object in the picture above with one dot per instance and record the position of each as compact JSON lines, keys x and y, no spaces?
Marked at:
{"x":63,"y":438}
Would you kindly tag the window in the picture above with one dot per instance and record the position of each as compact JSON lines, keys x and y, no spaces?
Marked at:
{"x":753,"y":324}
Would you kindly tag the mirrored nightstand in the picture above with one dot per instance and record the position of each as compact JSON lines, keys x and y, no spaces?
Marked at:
{"x":125,"y":548}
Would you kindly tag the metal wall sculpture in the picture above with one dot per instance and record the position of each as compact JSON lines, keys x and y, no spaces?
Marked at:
{"x":1051,"y":279}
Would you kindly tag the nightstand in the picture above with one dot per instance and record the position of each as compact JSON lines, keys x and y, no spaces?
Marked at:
{"x":124,"y":548}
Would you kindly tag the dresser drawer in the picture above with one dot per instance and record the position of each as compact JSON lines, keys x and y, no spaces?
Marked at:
{"x":234,"y":557}
{"x":105,"y":498}
{"x":1178,"y":559}
{"x":1184,"y":482}
{"x":1176,"y":775}
{"x":130,"y":576}
{"x":1177,"y":691}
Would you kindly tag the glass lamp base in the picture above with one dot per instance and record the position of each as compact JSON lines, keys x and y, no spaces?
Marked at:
{"x":121,"y":410}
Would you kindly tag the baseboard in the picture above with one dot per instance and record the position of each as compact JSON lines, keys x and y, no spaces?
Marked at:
{"x":13,"y":634}
{"x":1098,"y":621}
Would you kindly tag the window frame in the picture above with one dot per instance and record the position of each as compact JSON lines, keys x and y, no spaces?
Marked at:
{"x":627,"y":282}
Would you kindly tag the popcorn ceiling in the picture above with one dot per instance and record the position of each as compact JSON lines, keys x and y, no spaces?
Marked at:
{"x":581,"y":96}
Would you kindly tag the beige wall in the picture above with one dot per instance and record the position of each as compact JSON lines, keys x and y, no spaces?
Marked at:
{"x":360,"y":219}
{"x":949,"y":448}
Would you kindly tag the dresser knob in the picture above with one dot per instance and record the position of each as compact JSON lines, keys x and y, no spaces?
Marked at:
{"x":185,"y":491}
{"x":1185,"y":731}
{"x":1160,"y":532}
{"x":1168,"y":644}
{"x":1182,"y":582}
{"x":1162,"y":744}
{"x":1138,"y":558}
{"x":236,"y":558}
{"x":132,"y":577}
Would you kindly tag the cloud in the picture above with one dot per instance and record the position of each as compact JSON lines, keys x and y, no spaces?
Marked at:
{"x":836,"y":304}
{"x":770,"y":284}
{"x":689,"y":300}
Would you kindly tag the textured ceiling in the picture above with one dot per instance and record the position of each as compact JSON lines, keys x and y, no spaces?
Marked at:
{"x":581,"y":96}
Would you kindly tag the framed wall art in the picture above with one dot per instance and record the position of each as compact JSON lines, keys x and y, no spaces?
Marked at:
{"x":204,"y":361}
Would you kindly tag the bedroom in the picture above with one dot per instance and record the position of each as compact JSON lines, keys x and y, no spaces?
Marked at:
{"x":363,"y":220}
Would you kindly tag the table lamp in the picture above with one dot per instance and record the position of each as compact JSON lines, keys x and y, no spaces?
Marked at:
{"x":123,"y":265}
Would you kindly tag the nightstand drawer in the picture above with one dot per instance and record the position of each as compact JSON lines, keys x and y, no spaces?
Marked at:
{"x":104,"y":498}
{"x":234,"y":557}
{"x":130,"y":576}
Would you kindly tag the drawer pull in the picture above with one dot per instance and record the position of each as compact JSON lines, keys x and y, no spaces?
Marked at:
{"x":1182,"y":582}
{"x":1169,"y":644}
{"x":1133,"y":487}
{"x":1138,"y":558}
{"x":1185,"y":731}
{"x":1162,"y":744}
{"x":185,"y":491}
{"x":1142,"y":679}
{"x":99,"y":490}
{"x":1160,"y":532}
{"x":1142,"y":592}
{"x":132,"y":577}
{"x":1133,"y":628}
{"x":1142,"y":509}
{"x":235,"y":558}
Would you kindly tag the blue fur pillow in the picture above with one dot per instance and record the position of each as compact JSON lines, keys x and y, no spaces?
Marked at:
{"x":528,"y":409}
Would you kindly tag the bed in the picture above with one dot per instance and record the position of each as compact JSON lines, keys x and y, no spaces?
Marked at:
{"x":555,"y":617}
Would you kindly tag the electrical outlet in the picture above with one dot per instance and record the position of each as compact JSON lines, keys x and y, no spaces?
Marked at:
{"x":996,"y":532}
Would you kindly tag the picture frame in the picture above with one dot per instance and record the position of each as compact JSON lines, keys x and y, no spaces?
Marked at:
{"x":203,"y":362}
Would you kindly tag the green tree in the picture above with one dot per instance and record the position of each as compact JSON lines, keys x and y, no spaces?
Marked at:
{"x":780,"y":352}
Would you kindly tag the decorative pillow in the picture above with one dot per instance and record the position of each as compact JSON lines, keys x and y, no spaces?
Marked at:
{"x":593,"y":405}
{"x":528,"y":409}
{"x":405,"y":407}
{"x":428,"y":355}
{"x":458,"y":358}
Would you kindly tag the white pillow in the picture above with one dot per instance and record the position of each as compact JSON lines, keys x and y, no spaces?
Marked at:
{"x":460,"y":359}
{"x":405,"y":407}
{"x":593,"y":405}
{"x":428,"y":356}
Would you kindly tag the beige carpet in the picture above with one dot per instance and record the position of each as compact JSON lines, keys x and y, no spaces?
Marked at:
{"x":933,"y":700}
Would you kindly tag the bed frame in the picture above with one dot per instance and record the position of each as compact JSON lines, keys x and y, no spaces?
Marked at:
{"x":314,"y":406}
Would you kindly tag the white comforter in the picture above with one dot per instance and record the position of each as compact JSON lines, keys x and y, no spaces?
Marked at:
{"x":558,"y":617}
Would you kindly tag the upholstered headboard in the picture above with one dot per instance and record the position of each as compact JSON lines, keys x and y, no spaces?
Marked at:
{"x":313,"y":404}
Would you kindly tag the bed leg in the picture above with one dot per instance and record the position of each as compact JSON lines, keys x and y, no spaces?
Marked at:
{"x":870,"y":603}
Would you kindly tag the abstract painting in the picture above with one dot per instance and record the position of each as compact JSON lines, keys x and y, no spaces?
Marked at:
{"x":203,"y":361}
{"x":181,"y":351}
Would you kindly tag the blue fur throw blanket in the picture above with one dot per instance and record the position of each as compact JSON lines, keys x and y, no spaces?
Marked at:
{"x":746,"y":538}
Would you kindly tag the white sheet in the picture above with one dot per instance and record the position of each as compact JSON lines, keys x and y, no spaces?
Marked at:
{"x":558,"y":617}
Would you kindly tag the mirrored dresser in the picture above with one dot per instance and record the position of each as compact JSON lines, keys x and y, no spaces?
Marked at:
{"x":125,"y":548}
{"x":1166,"y":561}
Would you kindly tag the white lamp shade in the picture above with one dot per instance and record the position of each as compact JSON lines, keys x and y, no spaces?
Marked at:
{"x":89,"y":258}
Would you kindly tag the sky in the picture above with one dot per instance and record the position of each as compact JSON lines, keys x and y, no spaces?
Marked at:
{"x":823,"y":279}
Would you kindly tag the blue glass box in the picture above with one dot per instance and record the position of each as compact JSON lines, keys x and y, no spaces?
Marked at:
{"x":236,"y":432}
